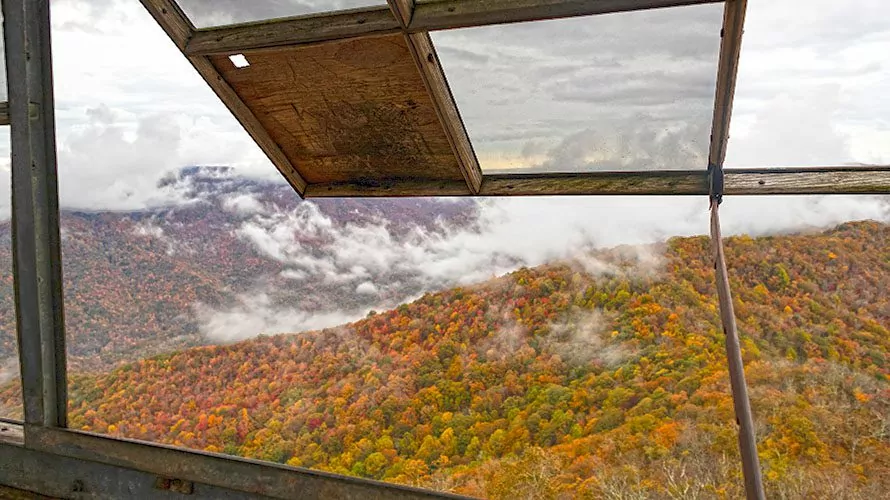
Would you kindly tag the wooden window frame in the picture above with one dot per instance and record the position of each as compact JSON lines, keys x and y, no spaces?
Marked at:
{"x":35,"y":214}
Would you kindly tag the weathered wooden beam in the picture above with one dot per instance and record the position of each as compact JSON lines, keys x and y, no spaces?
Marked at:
{"x":736,"y":367}
{"x":373,"y":21}
{"x":27,"y":471}
{"x":450,"y":14}
{"x":8,"y":493}
{"x":437,"y":85}
{"x":817,"y":180}
{"x":753,"y":181}
{"x":727,"y":73}
{"x":168,"y":14}
{"x":11,"y":433}
{"x":425,"y":16}
{"x":4,"y":113}
{"x":403,"y":10}
{"x":36,"y":248}
{"x":427,"y":61}
{"x":181,"y":30}
{"x":776,"y":181}
{"x":250,"y":476}
{"x":596,"y":183}
{"x":394,"y":188}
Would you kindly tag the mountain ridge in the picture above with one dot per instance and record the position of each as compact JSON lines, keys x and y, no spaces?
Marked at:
{"x":603,"y":379}
{"x":147,"y":281}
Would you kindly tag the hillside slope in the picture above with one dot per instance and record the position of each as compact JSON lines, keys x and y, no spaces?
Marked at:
{"x":141,"y":283}
{"x":598,"y":379}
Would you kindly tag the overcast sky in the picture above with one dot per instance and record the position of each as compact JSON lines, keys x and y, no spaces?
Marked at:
{"x":630,"y":90}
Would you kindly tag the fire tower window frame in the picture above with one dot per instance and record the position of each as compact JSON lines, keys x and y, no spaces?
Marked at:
{"x":81,"y":459}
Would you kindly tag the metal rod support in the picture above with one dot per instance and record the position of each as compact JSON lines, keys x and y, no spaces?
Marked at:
{"x":741,"y":403}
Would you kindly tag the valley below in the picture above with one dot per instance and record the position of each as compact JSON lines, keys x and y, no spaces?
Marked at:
{"x":602,"y":376}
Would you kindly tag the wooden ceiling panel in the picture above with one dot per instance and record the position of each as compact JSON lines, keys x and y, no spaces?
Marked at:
{"x":355,"y":118}
{"x":348,"y":111}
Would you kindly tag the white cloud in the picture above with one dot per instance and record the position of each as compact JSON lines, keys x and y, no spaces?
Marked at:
{"x":367,"y":288}
{"x":244,"y":204}
{"x":101,"y":166}
{"x":294,"y":274}
{"x":584,"y":338}
{"x":257,"y":313}
{"x":522,"y":231}
{"x":148,"y":229}
{"x":812,"y":84}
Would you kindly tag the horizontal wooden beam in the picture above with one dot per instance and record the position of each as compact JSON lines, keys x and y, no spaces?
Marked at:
{"x":374,"y":21}
{"x":873,"y":180}
{"x":596,"y":183}
{"x":450,"y":14}
{"x":749,"y":181}
{"x":816,"y":180}
{"x":11,"y":433}
{"x":394,"y":188}
{"x":426,"y":16}
{"x":234,"y":473}
{"x":27,"y":472}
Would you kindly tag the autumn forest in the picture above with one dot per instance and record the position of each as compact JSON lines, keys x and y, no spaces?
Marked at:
{"x":600,"y":377}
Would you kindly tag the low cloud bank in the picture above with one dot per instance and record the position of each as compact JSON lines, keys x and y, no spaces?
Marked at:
{"x":373,"y":265}
{"x":258,"y":314}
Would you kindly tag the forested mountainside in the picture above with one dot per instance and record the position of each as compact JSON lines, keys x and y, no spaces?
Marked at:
{"x":134,"y":281}
{"x":601,"y":379}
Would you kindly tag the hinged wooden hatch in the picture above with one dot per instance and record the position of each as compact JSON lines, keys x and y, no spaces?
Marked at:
{"x":351,"y":111}
{"x":356,"y":103}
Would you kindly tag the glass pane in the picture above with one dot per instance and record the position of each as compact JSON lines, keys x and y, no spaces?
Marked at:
{"x":627,"y":91}
{"x":10,"y":376}
{"x":813,"y":85}
{"x":207,"y":13}
{"x":591,"y":372}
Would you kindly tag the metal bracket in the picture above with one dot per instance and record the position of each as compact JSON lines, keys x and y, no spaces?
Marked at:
{"x":715,"y":183}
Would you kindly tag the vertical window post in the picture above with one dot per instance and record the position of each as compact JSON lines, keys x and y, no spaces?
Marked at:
{"x":727,"y":72}
{"x":37,"y":266}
